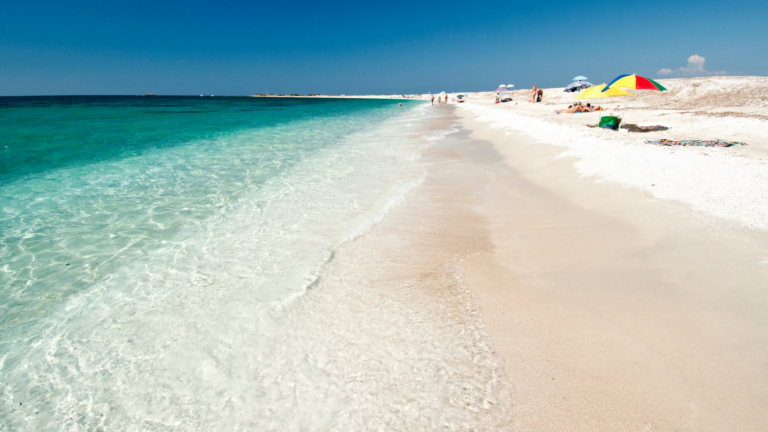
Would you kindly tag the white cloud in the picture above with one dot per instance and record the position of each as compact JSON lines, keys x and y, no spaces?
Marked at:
{"x":695,"y":68}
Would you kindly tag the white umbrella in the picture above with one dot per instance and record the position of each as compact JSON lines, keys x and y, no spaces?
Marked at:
{"x":510,"y":85}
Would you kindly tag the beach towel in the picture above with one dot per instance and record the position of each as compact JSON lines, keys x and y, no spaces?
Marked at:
{"x":700,"y":143}
{"x":652,"y":128}
{"x":647,"y":128}
{"x":636,"y":128}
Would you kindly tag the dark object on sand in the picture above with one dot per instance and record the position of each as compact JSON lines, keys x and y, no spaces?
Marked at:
{"x":698,"y":143}
{"x":636,"y":128}
{"x":609,"y":122}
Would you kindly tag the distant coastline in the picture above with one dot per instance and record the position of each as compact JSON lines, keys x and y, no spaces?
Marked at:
{"x":321,"y":96}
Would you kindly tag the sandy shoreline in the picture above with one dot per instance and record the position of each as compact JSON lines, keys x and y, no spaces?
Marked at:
{"x":622,"y":285}
{"x":610,"y":309}
{"x":616,"y":311}
{"x":476,"y":267}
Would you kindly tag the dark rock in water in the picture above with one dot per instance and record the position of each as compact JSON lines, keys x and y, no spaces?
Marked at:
{"x":150,"y":94}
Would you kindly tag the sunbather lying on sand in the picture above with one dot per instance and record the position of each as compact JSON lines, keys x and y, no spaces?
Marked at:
{"x":578,"y":108}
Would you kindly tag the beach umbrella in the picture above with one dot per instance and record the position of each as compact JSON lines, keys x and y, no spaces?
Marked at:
{"x":577,"y":84}
{"x":501,"y":90}
{"x":580,"y":78}
{"x":596,"y":92}
{"x":510,"y":85}
{"x":633,"y":82}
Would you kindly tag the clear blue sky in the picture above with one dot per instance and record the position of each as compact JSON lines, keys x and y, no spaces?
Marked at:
{"x":362,"y":47}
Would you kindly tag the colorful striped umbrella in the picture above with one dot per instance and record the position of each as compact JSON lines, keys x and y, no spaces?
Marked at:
{"x":599,"y":91}
{"x":633,"y":82}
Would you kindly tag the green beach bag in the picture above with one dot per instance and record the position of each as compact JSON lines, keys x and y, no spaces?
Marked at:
{"x":609,"y":122}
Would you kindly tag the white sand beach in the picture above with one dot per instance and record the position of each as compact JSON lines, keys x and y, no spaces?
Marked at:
{"x":730,"y":183}
{"x":624,"y":285}
{"x":460,"y":267}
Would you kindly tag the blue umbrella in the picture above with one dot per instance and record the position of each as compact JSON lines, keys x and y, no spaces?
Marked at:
{"x":580,"y":85}
{"x":580,"y":78}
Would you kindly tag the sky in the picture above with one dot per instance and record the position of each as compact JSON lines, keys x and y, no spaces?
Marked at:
{"x":233,"y":48}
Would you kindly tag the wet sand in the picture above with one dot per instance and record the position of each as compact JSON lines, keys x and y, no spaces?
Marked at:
{"x":611,"y":310}
{"x":443,"y":373}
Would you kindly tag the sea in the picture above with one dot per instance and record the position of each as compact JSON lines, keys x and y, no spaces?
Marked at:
{"x":158,"y":255}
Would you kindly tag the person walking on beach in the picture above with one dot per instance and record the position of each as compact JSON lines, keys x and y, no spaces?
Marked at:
{"x":433,"y":100}
{"x":446,"y":99}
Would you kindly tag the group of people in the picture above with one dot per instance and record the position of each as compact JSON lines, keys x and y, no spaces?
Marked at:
{"x":537,"y":95}
{"x":579,"y":108}
{"x":439,"y":99}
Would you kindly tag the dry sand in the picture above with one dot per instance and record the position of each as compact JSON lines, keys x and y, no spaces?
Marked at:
{"x":611,"y":309}
{"x":623,"y":286}
{"x":727,"y":183}
{"x":614,"y":309}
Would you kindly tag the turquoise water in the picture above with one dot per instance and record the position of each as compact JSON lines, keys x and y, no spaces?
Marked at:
{"x":41,"y":134}
{"x":156,"y":254}
{"x":92,"y":184}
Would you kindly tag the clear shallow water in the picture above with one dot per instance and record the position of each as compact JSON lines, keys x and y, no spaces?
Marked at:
{"x":93,"y":184}
{"x":153,"y":251}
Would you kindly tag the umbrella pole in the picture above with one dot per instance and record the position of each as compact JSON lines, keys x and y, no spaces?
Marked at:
{"x":625,"y":111}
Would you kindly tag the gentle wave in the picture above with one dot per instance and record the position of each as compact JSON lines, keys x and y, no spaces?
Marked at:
{"x":203,"y":319}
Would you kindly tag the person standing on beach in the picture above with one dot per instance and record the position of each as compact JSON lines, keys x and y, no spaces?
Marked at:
{"x":534,"y":94}
{"x":433,"y":100}
{"x":446,"y":99}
